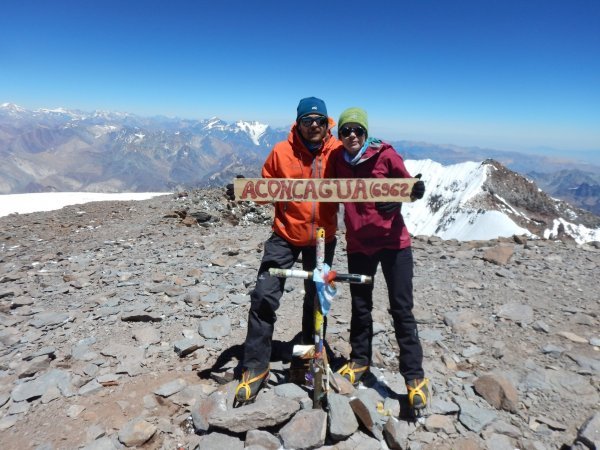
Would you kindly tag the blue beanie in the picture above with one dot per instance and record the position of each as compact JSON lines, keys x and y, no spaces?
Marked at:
{"x":311,"y":105}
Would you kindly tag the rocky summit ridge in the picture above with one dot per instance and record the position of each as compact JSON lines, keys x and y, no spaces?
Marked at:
{"x":122,"y":323}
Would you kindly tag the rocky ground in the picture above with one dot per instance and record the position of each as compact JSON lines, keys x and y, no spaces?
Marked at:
{"x":121,"y":325}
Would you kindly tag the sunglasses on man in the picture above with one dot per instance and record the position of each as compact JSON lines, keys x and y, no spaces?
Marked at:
{"x":308,"y":121}
{"x":347,"y":131}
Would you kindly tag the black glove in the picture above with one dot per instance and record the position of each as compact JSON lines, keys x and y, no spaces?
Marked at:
{"x":388,"y":207}
{"x":418,"y":189}
{"x":229,"y":191}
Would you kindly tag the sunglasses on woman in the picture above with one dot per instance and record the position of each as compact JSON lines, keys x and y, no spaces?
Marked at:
{"x":308,"y":121}
{"x":347,"y":131}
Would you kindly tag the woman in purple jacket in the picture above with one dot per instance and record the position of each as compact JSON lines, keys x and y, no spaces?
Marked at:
{"x":376,"y":233}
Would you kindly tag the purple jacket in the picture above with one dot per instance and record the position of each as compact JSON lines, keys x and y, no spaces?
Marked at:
{"x":367,"y":229}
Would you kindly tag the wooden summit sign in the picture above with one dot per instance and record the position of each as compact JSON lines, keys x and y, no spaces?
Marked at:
{"x":323,"y":189}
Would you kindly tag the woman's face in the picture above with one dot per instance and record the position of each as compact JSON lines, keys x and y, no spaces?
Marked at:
{"x":353,"y":137}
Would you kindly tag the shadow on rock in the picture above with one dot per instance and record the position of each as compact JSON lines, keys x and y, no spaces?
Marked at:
{"x":228,"y":365}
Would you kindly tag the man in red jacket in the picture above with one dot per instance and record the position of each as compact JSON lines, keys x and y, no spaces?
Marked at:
{"x":304,"y":154}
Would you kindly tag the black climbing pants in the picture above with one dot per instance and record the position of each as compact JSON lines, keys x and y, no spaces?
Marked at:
{"x":397,"y":268}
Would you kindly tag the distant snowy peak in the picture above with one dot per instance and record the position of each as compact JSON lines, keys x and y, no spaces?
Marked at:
{"x":472,"y":201}
{"x":12,"y":107}
{"x":215,"y":123}
{"x":59,"y":113}
{"x":254,"y":129}
{"x":12,"y":110}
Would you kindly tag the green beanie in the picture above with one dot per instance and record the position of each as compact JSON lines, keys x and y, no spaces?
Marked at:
{"x":354,"y":115}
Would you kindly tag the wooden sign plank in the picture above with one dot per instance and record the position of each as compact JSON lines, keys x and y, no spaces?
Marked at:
{"x":323,"y":189}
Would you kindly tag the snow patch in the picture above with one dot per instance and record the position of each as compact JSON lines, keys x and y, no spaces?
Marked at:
{"x":580,"y":233}
{"x":447,"y":208}
{"x":254,"y":129}
{"x":50,"y":201}
{"x":101,"y":130}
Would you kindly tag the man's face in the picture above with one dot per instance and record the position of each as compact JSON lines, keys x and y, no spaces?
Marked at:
{"x":313,"y":128}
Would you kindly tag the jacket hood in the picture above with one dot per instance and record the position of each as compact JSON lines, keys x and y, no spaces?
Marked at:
{"x":374,"y":148}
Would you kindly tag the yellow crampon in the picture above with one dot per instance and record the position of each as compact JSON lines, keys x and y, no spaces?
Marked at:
{"x":352,"y":372}
{"x":245,"y":384}
{"x":417,"y":390}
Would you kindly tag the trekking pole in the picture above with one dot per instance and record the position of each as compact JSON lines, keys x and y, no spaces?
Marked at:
{"x":319,"y":362}
{"x":319,"y":365}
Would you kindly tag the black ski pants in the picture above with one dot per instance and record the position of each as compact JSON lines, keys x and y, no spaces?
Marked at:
{"x":264,"y":299}
{"x":397,"y":268}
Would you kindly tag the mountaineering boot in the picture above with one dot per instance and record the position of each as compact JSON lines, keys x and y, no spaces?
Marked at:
{"x":419,"y":395}
{"x":251,"y":383}
{"x":353,"y":372}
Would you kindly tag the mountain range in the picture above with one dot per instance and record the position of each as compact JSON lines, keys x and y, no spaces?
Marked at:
{"x":60,"y":150}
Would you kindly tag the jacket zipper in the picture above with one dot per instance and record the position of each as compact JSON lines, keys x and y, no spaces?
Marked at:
{"x":315,"y":169}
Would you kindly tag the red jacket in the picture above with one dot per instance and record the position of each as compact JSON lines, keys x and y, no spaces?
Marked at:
{"x":367,"y":229}
{"x":297,"y":222}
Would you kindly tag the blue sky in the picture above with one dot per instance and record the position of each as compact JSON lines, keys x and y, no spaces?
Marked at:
{"x":513,"y":75}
